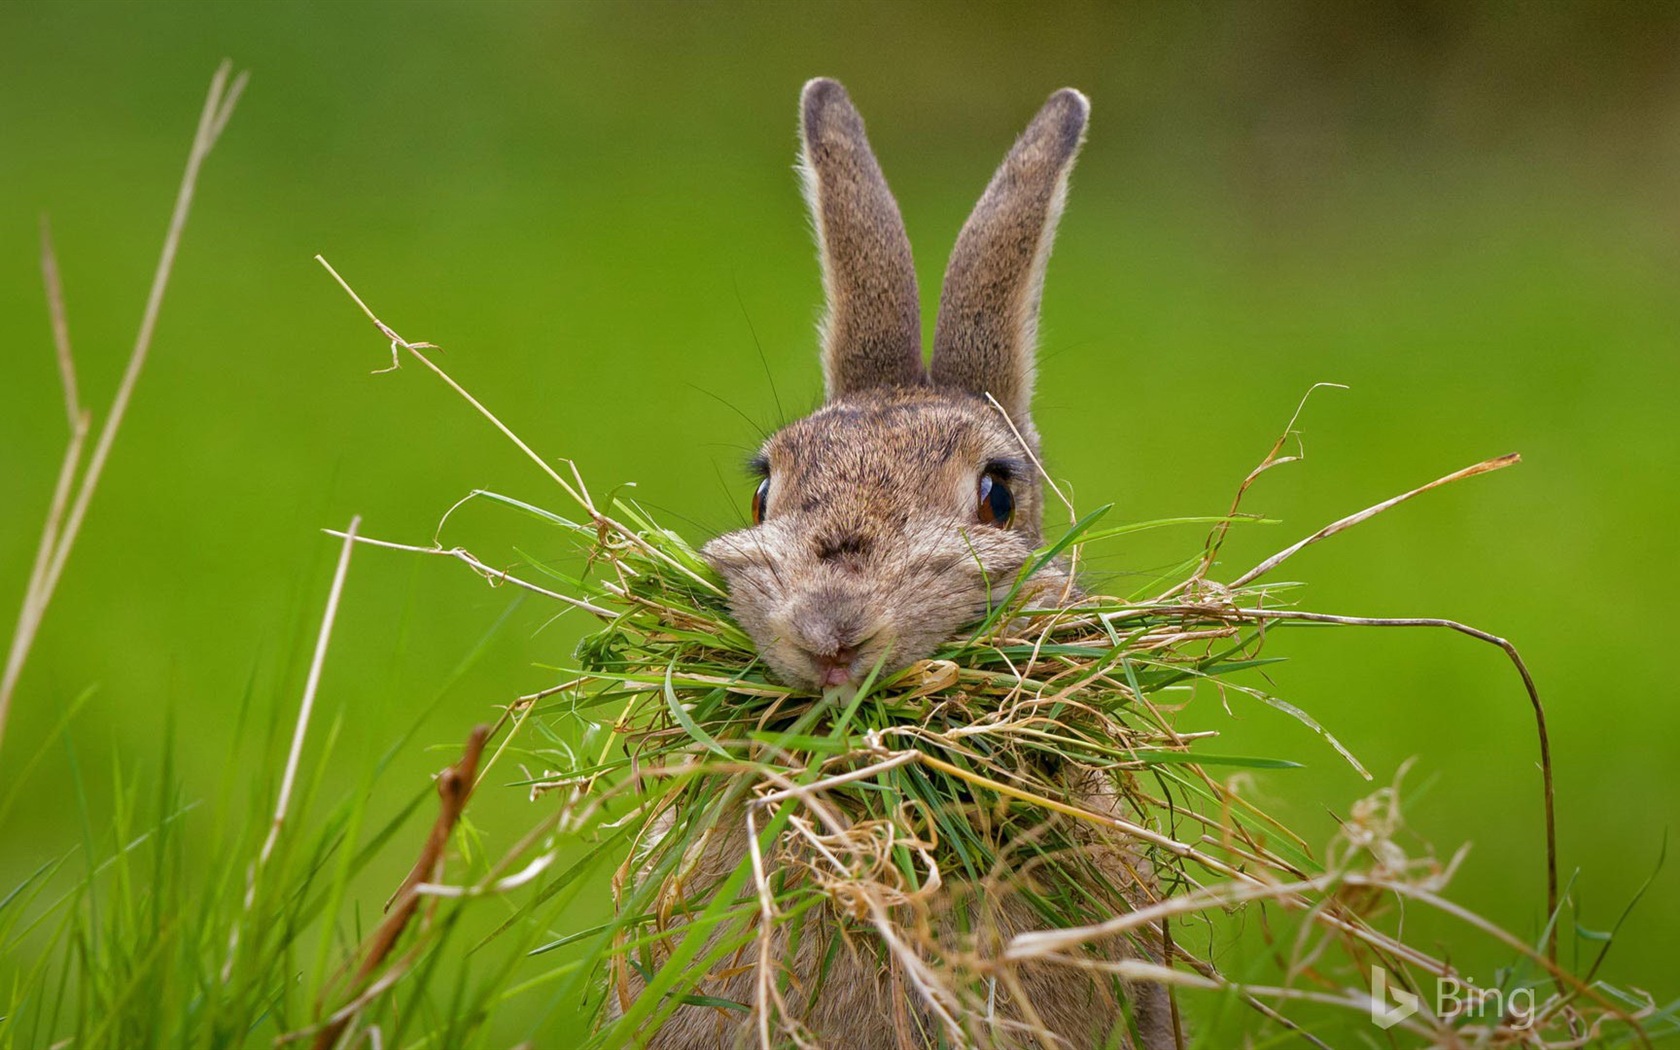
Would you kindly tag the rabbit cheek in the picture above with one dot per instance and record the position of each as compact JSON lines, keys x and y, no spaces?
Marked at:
{"x":745,"y":561}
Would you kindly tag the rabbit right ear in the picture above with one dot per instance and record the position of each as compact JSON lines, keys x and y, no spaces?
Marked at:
{"x":872,"y":331}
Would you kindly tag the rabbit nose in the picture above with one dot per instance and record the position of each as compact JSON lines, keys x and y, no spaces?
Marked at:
{"x":827,"y":630}
{"x":835,"y":668}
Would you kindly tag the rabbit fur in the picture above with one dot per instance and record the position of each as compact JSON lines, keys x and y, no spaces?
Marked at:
{"x":870,"y":551}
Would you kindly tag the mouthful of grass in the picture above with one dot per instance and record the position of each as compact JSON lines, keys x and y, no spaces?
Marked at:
{"x":913,"y":819}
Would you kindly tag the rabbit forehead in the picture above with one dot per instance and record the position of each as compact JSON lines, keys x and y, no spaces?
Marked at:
{"x":890,"y":439}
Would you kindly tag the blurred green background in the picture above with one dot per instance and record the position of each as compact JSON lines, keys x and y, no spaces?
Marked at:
{"x":1466,"y":213}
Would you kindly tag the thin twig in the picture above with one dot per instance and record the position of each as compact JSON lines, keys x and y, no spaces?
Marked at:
{"x":299,"y":730}
{"x":465,"y":556}
{"x":34,"y":597}
{"x":34,"y":602}
{"x":59,"y":537}
{"x":573,"y":488}
{"x":1216,"y":538}
{"x":765,"y":984}
{"x":218,"y":107}
{"x":311,"y":685}
{"x":399,"y":343}
{"x":60,"y":326}
{"x":454,"y":787}
{"x":1484,"y":467}
{"x":1533,"y":691}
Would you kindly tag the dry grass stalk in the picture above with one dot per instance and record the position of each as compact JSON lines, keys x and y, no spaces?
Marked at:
{"x":65,"y":516}
{"x":454,"y":788}
{"x":300,"y":730}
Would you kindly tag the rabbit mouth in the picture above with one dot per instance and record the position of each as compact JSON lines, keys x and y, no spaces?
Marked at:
{"x":832,"y":662}
{"x":847,"y":664}
{"x":836,"y":668}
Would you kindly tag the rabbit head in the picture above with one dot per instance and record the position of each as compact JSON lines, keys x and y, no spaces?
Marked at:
{"x":891,"y":517}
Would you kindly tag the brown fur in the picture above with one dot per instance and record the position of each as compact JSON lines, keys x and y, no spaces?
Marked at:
{"x":872,"y":552}
{"x":871,"y":543}
{"x":862,"y":1002}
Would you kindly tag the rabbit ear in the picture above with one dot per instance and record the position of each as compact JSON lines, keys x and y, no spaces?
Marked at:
{"x":872,"y":331}
{"x":984,"y":339}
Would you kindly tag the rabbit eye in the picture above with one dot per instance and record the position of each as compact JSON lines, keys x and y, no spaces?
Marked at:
{"x":997,"y":503}
{"x":761,"y":501}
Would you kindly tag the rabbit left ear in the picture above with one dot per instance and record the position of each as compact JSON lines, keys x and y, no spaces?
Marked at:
{"x":872,"y":332}
{"x":987,"y":330}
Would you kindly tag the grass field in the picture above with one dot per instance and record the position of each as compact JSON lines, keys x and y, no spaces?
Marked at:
{"x":1464,"y":215}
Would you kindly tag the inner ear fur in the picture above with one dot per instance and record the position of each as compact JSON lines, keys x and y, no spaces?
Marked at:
{"x":987,"y":331}
{"x":871,"y":331}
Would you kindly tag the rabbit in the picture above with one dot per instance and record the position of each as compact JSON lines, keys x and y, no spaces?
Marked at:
{"x":879,"y":520}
